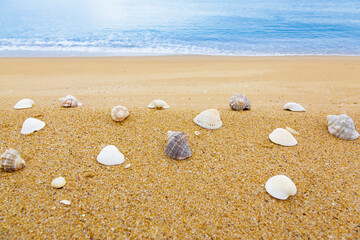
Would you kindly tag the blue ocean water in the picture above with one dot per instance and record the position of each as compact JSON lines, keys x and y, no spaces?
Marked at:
{"x":210,"y":27}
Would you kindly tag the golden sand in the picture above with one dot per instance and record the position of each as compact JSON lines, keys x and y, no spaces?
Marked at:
{"x":219,"y":192}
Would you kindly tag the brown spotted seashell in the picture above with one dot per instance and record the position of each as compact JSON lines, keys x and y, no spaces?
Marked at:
{"x":119,"y":113}
{"x":11,"y":161}
{"x":177,"y":146}
{"x":239,"y":102}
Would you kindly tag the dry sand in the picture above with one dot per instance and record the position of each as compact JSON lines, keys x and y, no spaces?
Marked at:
{"x":218,"y":193}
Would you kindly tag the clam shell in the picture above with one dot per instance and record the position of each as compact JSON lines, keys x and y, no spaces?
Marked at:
{"x":282,"y":137}
{"x":110,"y":155}
{"x":239,"y":102}
{"x":31,"y":125}
{"x":280,"y":187}
{"x":177,"y":146}
{"x":11,"y":161}
{"x":119,"y":113}
{"x":69,"y":101}
{"x":66,"y":202}
{"x":158,"y":104}
{"x":24,"y":103}
{"x":209,"y":119}
{"x":295,"y":107}
{"x":342,"y":126}
{"x":58,"y":182}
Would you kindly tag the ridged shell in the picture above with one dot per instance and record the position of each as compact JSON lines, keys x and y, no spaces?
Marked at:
{"x":342,"y":126}
{"x":119,"y":113}
{"x":239,"y":102}
{"x":31,"y":125}
{"x":69,"y":101}
{"x":11,"y":161}
{"x":177,"y":146}
{"x":209,"y":119}
{"x":282,"y":137}
{"x":294,"y":107}
{"x":280,"y":187}
{"x":24,"y":103}
{"x":158,"y":104}
{"x":110,"y":155}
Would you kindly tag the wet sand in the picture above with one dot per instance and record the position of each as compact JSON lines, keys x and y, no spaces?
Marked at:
{"x":218,"y":193}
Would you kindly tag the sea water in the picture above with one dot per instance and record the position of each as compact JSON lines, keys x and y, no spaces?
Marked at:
{"x":155,"y":27}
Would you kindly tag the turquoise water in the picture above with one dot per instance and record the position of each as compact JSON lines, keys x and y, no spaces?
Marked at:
{"x":210,"y":27}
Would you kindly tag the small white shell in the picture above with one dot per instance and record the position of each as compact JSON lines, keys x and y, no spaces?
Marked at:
{"x":342,"y":126}
{"x":292,"y":131}
{"x":31,"y":125}
{"x":158,"y":104}
{"x":281,"y":187}
{"x":295,"y":107}
{"x":58,"y":182}
{"x":110,"y":155}
{"x":66,"y":202}
{"x":24,"y":103}
{"x":209,"y":119}
{"x":70,"y":101}
{"x":282,"y":137}
{"x":119,"y":113}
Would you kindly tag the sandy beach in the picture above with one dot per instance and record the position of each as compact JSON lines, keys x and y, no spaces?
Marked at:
{"x":218,"y":193}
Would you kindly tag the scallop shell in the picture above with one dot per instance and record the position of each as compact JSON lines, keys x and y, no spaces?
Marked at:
{"x":110,"y":155}
{"x":31,"y":125}
{"x":294,"y":107}
{"x":58,"y":182}
{"x":177,"y":146}
{"x":158,"y":104}
{"x":342,"y":126}
{"x":281,"y":187}
{"x":209,"y":119}
{"x":119,"y":113}
{"x":70,"y":101}
{"x":282,"y":137}
{"x":24,"y":103}
{"x":239,"y":102}
{"x":11,"y":161}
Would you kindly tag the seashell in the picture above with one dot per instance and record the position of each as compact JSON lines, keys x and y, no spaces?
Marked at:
{"x":342,"y":126}
{"x":11,"y":161}
{"x":66,"y":202}
{"x":31,"y":125}
{"x":158,"y":104}
{"x":197,"y":133}
{"x":58,"y":182}
{"x":24,"y":103}
{"x":70,"y":101}
{"x":177,"y":146}
{"x":209,"y":119}
{"x":110,"y":155}
{"x":282,"y":137}
{"x":119,"y":113}
{"x":294,"y":107}
{"x":292,"y":131}
{"x":127,"y":165}
{"x":239,"y":102}
{"x":280,"y":187}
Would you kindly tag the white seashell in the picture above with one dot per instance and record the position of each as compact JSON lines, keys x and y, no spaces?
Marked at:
{"x":31,"y":125}
{"x":58,"y":182}
{"x":158,"y":104}
{"x":119,"y":113}
{"x":292,"y":131}
{"x":342,"y":126}
{"x":282,"y":137}
{"x":295,"y":107}
{"x":127,"y":165}
{"x":209,"y":119}
{"x":239,"y":102}
{"x":197,"y":133}
{"x":24,"y":103}
{"x":280,"y":187}
{"x":70,"y":101}
{"x":66,"y":202}
{"x":110,"y":155}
